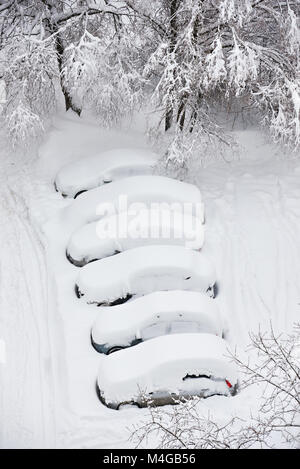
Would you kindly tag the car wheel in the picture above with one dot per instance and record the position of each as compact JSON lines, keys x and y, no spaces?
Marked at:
{"x":213,"y":291}
{"x":78,"y":193}
{"x":127,"y":405}
{"x":113,"y":350}
{"x":78,"y":292}
{"x":120,"y":301}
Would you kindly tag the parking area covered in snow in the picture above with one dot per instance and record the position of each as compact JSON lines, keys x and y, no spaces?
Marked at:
{"x":252,"y":237}
{"x":149,"y":224}
{"x":151,"y":255}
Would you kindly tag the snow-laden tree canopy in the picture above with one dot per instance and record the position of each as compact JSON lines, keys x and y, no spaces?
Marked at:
{"x":214,"y":51}
{"x":189,"y":56}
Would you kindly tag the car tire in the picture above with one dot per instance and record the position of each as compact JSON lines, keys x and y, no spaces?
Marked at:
{"x":114,"y":349}
{"x":78,"y":193}
{"x":127,"y":404}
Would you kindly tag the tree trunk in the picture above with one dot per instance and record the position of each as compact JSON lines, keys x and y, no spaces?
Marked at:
{"x":54,"y":29}
{"x":68,"y":100}
{"x":193,"y":120}
{"x":181,"y":113}
{"x":168,"y":119}
{"x":173,"y":38}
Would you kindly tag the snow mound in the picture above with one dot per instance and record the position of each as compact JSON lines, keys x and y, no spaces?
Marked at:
{"x":118,"y":196}
{"x":179,"y":364}
{"x":143,"y":270}
{"x":120,"y":232}
{"x":108,"y":166}
{"x":153,"y":315}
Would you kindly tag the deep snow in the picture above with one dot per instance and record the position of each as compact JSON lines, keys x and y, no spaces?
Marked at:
{"x":47,"y":392}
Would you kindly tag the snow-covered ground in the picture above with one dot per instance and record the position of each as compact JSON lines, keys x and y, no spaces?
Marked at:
{"x":47,"y":392}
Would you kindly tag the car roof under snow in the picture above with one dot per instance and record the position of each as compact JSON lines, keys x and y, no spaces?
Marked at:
{"x":88,"y":172}
{"x":104,"y":237}
{"x":121,"y":322}
{"x":105,"y":200}
{"x":141,"y":270}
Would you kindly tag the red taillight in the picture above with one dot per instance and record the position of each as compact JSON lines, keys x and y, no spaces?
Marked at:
{"x":228,"y":383}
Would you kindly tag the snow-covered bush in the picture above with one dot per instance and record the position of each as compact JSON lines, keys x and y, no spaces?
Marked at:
{"x":23,"y":126}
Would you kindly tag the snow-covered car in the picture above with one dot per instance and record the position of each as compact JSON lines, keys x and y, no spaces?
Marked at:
{"x":153,"y":315}
{"x":87,"y":173}
{"x":120,"y":232}
{"x":166,"y":369}
{"x":118,"y":196}
{"x":142,"y":270}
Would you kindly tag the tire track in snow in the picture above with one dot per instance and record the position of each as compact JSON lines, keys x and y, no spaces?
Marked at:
{"x":27,"y":406}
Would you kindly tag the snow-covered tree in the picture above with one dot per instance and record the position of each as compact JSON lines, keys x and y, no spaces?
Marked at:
{"x":192,"y":56}
{"x":30,"y":75}
{"x":101,"y":74}
{"x":34,"y":35}
{"x":212,"y":51}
